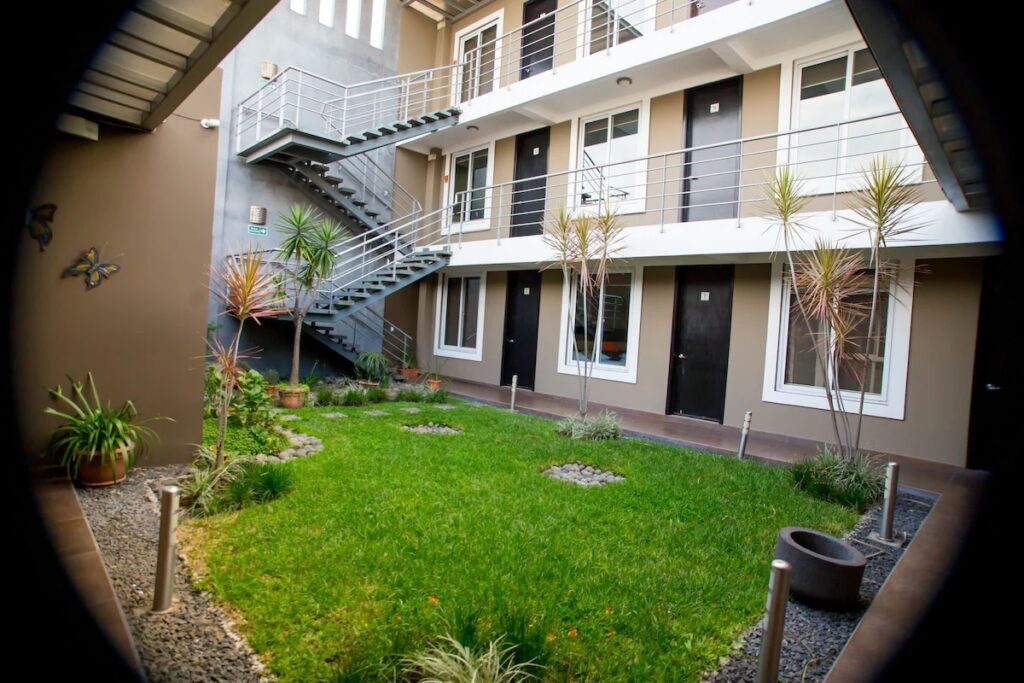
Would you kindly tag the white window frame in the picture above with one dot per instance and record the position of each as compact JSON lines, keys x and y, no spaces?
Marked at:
{"x":583,"y":36}
{"x":637,"y":204}
{"x":297,"y":6}
{"x":440,"y":309}
{"x":848,"y":179}
{"x":450,"y":226}
{"x":353,"y":17}
{"x":567,"y":365}
{"x":891,"y":402}
{"x":498,"y":19}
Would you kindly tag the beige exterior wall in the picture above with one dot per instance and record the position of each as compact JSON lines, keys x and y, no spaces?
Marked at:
{"x":486,"y":371}
{"x":938,"y":385}
{"x":943,"y":328}
{"x":146,"y":201}
{"x":418,"y":37}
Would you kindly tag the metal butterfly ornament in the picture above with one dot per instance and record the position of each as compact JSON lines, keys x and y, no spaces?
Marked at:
{"x":38,"y":222}
{"x":90,"y":266}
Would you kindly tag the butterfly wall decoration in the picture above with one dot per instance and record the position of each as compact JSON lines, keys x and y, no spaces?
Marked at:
{"x":89,"y":265}
{"x":38,"y":222}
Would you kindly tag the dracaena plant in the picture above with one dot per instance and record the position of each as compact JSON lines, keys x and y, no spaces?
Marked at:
{"x":248,"y":291}
{"x":92,"y":429}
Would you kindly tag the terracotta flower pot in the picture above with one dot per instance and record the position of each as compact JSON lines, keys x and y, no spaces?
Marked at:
{"x":92,"y":473}
{"x":410,"y":374}
{"x":434,"y":384}
{"x":292,"y":398}
{"x":272,"y":390}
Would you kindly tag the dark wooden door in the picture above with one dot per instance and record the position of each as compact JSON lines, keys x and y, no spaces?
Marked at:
{"x":993,"y":386}
{"x":537,"y":52}
{"x":700,"y":344}
{"x":529,"y":191}
{"x":711,"y":174}
{"x":522,"y":311}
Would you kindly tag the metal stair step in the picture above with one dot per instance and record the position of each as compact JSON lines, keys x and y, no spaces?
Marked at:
{"x":354,"y":140}
{"x":442,"y":114}
{"x":414,"y":123}
{"x":428,"y":118}
{"x":386,"y":130}
{"x":370,"y":135}
{"x":400,"y":126}
{"x":347,"y":191}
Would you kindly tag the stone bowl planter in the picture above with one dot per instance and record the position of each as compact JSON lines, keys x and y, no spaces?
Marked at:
{"x":826,"y":571}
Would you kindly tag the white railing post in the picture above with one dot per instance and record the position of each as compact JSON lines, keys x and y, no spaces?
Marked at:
{"x":664,"y":196}
{"x":835,"y":177}
{"x":501,"y":203}
{"x":298,"y":103}
{"x":238,"y":128}
{"x":259,"y":115}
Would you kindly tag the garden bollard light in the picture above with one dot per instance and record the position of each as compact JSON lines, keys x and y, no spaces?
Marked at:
{"x":743,"y":434}
{"x":515,"y":382}
{"x":166,"y":550}
{"x":775,"y":622}
{"x":892,"y":478}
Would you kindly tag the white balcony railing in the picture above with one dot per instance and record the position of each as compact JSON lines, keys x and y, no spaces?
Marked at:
{"x":303,"y":101}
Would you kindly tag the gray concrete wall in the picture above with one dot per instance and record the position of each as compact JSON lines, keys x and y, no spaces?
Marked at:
{"x":287,"y":39}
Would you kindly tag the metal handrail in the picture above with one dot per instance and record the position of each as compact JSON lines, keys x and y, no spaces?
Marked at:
{"x":302,"y":100}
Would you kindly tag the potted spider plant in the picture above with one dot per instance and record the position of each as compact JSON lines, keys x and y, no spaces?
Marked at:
{"x":372,"y":368}
{"x":98,"y":444}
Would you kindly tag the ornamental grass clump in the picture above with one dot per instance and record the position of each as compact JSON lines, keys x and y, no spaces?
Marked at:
{"x":855,"y":482}
{"x":599,"y":427}
{"x":449,"y":661}
{"x":238,"y":483}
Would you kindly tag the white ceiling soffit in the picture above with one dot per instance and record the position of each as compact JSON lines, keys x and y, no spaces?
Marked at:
{"x":450,"y":10}
{"x":157,"y":55}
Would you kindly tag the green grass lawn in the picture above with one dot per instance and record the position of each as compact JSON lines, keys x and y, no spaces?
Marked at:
{"x":393,"y":538}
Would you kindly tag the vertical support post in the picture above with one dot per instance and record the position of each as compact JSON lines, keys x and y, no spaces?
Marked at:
{"x":298,"y":105}
{"x":501,"y":203}
{"x":515,"y":384}
{"x":743,"y":434}
{"x":775,"y":622}
{"x":892,"y":478}
{"x":664,"y":197}
{"x":259,"y":115}
{"x":835,"y":176}
{"x":163,"y":592}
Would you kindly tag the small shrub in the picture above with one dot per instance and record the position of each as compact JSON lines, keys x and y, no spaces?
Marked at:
{"x":250,"y":403}
{"x":856,"y":483}
{"x":410,"y":395}
{"x":603,"y":426}
{"x":256,"y":483}
{"x":324,"y":396}
{"x":436,"y":396}
{"x":376,"y":395}
{"x":272,"y":376}
{"x":211,"y":390}
{"x":353,"y":396}
{"x":452,"y":662}
{"x":240,"y":440}
{"x":314,"y":378}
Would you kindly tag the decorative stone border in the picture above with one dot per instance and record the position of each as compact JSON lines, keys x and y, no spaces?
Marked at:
{"x":583,"y":474}
{"x":301,"y":446}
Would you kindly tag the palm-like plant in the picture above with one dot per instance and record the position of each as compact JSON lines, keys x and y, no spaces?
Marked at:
{"x":584,"y":248}
{"x":248,"y":292}
{"x":309,"y":241}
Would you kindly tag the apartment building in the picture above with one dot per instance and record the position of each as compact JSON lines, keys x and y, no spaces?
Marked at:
{"x":672,"y":113}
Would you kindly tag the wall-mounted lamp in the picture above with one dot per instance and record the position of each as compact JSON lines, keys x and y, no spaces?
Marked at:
{"x":267,"y":69}
{"x":472,"y":128}
{"x":210,"y":123}
{"x":623,"y":80}
{"x":258,"y":215}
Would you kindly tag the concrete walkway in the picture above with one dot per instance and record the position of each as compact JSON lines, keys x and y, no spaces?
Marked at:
{"x":915,"y":580}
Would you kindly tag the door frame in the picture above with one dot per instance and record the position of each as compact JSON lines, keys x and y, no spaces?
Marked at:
{"x":672,"y":342}
{"x":505,"y":327}
{"x":687,"y":101}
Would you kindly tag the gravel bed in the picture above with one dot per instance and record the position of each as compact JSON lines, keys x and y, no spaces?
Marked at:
{"x":583,"y":474}
{"x":431,"y":428}
{"x":814,"y":638}
{"x":195,"y":640}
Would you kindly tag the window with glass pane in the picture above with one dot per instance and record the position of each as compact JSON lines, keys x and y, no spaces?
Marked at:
{"x":469,"y":178}
{"x":615,"y":21}
{"x":461,"y":311}
{"x":478,"y":53}
{"x":839,"y":89}
{"x":609,"y":170}
{"x":801,"y":361}
{"x":601,"y":329}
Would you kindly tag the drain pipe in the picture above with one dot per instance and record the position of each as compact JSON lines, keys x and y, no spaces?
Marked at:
{"x":743,"y":434}
{"x":775,"y":622}
{"x":515,"y":381}
{"x":163,"y":593}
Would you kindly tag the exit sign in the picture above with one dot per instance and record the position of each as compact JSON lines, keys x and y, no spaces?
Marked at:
{"x":257,"y":230}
